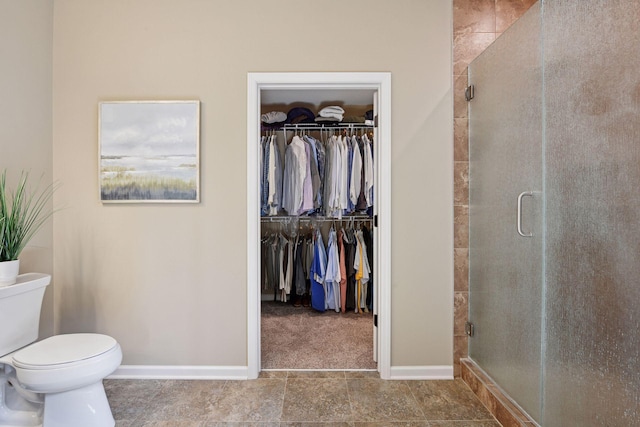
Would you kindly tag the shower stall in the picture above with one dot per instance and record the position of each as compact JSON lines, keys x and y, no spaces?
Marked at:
{"x":554,"y":207}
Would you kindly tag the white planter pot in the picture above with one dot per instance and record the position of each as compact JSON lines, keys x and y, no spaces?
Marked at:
{"x":9,"y":272}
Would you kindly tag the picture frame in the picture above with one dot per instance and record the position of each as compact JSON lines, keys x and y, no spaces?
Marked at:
{"x":149,"y":151}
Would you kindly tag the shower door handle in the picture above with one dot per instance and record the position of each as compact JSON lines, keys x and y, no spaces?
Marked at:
{"x":519,"y":214}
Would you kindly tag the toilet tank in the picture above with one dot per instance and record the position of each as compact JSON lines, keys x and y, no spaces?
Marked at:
{"x":20,"y":305}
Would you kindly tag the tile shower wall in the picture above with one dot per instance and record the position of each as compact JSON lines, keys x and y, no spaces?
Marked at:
{"x":476,"y":24}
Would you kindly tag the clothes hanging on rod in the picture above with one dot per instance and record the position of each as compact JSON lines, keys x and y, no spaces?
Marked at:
{"x":313,"y":179}
{"x":336,"y":277}
{"x":318,"y":272}
{"x":299,"y":286}
{"x":285,"y":271}
{"x":271,"y":177}
{"x":317,"y":162}
{"x":343,"y":271}
{"x":367,"y":171}
{"x":332,"y":274}
{"x":276,"y":257}
{"x":368,"y":240}
{"x":333,"y":177}
{"x":295,"y":159}
{"x":362,"y":270}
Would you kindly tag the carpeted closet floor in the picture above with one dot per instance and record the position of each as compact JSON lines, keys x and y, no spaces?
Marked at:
{"x":302,"y":338}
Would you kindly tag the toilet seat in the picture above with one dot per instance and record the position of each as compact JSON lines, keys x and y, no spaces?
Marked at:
{"x":66,"y":362}
{"x":62,"y":351}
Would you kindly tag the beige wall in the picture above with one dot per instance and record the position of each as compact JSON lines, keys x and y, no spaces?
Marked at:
{"x":25,"y":117}
{"x":169,"y":281}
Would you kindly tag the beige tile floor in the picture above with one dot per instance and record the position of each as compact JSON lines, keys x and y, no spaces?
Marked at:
{"x":297,"y":398}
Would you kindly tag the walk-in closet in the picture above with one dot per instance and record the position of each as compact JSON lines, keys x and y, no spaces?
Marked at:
{"x":318,"y":221}
{"x":317,"y":196}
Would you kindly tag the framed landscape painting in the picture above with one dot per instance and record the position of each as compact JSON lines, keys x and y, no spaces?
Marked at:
{"x":149,"y":151}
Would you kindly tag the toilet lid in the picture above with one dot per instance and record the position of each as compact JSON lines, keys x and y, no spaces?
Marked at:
{"x":63,"y":349}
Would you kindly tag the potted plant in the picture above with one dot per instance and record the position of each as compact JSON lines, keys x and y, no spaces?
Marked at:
{"x":23,"y":212}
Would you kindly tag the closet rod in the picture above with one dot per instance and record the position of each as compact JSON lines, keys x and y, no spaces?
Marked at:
{"x":311,"y":126}
{"x":315,"y":218}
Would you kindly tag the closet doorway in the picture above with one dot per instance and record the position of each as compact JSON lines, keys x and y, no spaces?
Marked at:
{"x":318,"y":88}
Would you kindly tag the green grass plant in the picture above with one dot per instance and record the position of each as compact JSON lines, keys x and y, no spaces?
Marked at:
{"x":22,"y":213}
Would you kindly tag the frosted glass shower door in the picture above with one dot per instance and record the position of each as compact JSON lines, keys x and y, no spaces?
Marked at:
{"x":505,"y":203}
{"x":592,"y":97}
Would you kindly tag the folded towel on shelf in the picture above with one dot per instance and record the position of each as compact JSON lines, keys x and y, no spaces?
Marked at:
{"x":333,"y":111}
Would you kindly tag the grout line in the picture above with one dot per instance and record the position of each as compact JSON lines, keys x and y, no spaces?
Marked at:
{"x":284,"y":396}
{"x":424,"y":416}
{"x":352,"y":415}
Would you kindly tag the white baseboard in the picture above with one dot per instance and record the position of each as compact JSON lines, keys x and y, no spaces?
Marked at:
{"x":242,"y":372}
{"x":181,"y":372}
{"x":444,"y":372}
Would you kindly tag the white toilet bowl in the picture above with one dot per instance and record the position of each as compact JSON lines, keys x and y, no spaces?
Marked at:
{"x":68,"y":371}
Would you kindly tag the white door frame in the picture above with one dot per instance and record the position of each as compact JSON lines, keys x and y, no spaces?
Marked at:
{"x":380,"y":82}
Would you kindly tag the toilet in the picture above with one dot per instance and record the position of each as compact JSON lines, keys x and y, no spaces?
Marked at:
{"x":56,"y":382}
